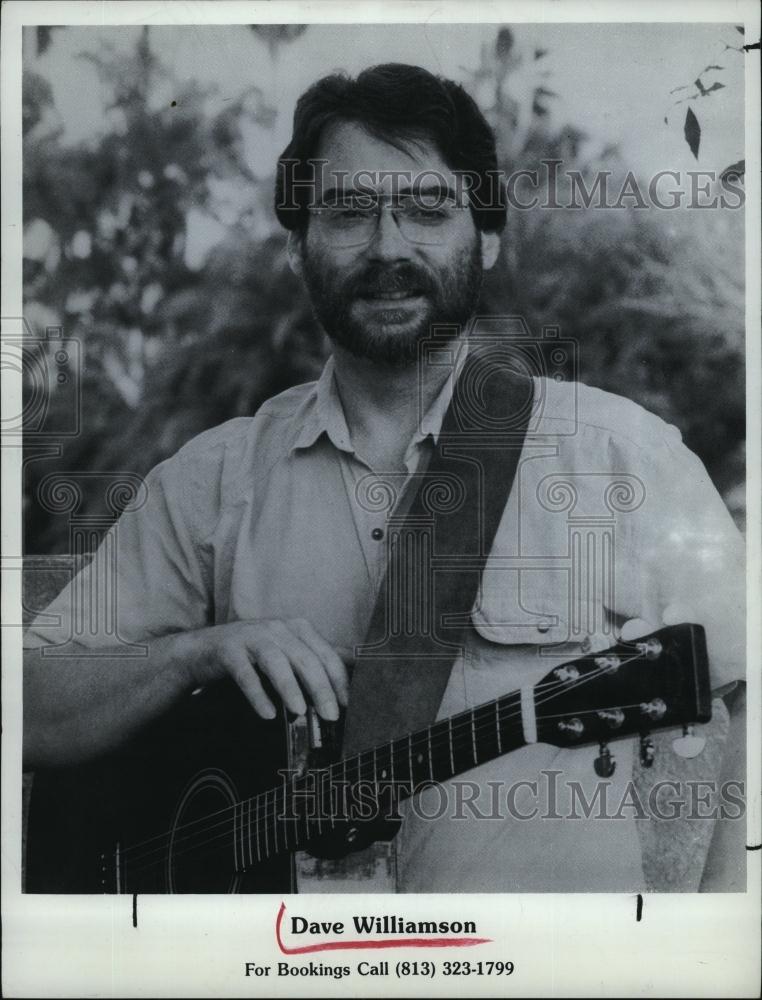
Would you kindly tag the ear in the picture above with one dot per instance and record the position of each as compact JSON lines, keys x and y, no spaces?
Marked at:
{"x":294,"y":250}
{"x":490,"y":249}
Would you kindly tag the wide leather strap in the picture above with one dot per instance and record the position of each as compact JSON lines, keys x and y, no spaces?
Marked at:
{"x":438,"y":540}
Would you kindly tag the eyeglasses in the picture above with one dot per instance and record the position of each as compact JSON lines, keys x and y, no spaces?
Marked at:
{"x":353,"y":221}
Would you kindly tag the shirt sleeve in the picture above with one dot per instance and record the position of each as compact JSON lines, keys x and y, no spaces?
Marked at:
{"x":689,"y":552}
{"x":148,"y":577}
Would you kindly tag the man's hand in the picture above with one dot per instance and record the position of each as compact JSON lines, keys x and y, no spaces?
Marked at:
{"x":673,"y":614}
{"x":291,"y":654}
{"x":636,"y":628}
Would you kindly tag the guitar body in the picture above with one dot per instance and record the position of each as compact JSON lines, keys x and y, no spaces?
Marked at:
{"x":206,"y":754}
{"x":208,"y":798}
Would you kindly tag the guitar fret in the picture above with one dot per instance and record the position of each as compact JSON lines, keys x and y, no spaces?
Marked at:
{"x":275,"y":819}
{"x":256,"y":826}
{"x":267,"y":839}
{"x":235,"y":841}
{"x":431,"y":762}
{"x":248,"y":830}
{"x":242,"y":834}
{"x":497,"y":727}
{"x":285,"y":817}
{"x":449,"y":740}
{"x":306,"y":803}
{"x":239,"y":811}
{"x":318,"y":786}
{"x":473,"y":737}
{"x":236,"y":866}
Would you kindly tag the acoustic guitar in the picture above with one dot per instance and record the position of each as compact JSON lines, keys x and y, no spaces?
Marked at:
{"x":207,"y":798}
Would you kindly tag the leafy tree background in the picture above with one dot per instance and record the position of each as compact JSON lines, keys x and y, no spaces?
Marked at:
{"x":174,"y":346}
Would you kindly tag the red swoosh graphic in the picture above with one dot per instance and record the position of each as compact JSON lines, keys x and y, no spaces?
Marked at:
{"x":444,"y":942}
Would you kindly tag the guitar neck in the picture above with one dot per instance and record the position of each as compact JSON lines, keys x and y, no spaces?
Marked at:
{"x":365,"y":785}
{"x":655,"y":682}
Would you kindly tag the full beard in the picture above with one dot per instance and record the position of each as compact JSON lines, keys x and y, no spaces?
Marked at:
{"x":363,"y":315}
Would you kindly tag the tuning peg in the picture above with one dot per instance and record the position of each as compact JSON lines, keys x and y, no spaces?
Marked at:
{"x":688,"y":745}
{"x":604,"y":764}
{"x":647,"y":750}
{"x":651,"y":648}
{"x":613,"y":717}
{"x":655,"y":709}
{"x":574,"y":728}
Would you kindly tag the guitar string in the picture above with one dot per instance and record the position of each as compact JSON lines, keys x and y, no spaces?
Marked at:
{"x":545,"y":687}
{"x":224,"y":837}
{"x":267,"y":814}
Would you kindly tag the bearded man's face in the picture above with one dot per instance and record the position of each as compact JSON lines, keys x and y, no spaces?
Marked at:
{"x":380,"y":298}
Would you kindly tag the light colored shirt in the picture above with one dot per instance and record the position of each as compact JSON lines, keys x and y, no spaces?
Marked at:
{"x":276,"y":516}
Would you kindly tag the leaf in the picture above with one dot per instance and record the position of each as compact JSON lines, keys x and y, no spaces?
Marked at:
{"x":692,"y":132}
{"x":274,"y":35}
{"x":715,"y":86}
{"x":504,"y":44}
{"x":676,"y":89}
{"x":737,"y":170}
{"x":711,"y":66}
{"x":43,"y":39}
{"x":739,"y":28}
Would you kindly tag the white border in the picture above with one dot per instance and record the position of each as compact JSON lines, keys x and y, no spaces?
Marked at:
{"x":571,"y":945}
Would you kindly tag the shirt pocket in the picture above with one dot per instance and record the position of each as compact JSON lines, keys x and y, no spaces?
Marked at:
{"x":539,"y":607}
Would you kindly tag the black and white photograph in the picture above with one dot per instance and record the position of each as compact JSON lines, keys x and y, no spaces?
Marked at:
{"x":379,"y":508}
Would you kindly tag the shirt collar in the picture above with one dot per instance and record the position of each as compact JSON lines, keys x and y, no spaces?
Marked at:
{"x":430,"y":423}
{"x":326,"y":413}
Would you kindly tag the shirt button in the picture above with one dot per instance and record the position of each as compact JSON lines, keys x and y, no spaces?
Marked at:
{"x":377,"y":534}
{"x":543,"y":627}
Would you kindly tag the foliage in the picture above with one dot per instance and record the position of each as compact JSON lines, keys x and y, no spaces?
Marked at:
{"x":175,"y":342}
{"x":701,"y":88}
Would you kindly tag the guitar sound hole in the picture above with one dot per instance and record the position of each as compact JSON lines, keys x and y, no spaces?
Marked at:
{"x":202,"y":852}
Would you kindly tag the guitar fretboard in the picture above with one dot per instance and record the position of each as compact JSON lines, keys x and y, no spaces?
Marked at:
{"x":655,"y":682}
{"x":362,"y":787}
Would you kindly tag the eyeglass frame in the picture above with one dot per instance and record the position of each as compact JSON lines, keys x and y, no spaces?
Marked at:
{"x":381,"y":201}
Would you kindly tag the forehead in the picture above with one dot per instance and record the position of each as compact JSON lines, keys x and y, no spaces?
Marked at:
{"x":351,"y":152}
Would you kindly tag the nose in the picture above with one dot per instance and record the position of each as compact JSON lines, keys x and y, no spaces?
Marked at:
{"x":388,"y":243}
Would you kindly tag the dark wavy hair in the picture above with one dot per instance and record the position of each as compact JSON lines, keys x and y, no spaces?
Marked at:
{"x":393,"y":102}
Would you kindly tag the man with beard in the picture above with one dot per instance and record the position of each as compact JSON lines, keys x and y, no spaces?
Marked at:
{"x":258,"y":553}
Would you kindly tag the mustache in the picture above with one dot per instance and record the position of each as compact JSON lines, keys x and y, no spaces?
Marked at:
{"x":377,"y":279}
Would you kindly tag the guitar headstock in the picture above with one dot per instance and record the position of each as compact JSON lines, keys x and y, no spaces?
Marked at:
{"x":655,"y":682}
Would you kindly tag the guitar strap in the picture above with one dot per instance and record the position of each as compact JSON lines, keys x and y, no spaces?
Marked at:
{"x":438,"y":540}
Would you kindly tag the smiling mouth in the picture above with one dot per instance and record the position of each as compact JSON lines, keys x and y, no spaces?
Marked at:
{"x":392,"y":296}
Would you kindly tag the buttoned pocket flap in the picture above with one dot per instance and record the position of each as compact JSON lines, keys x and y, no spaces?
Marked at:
{"x":535,"y":607}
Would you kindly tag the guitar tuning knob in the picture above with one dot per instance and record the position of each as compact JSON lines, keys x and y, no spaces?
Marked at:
{"x":647,"y":750}
{"x":655,"y":709}
{"x":650,"y":648}
{"x":604,"y":763}
{"x":688,"y":745}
